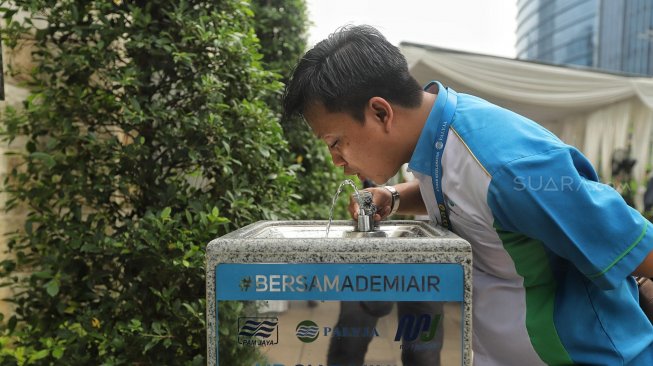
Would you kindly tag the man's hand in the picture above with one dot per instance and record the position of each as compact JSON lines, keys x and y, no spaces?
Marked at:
{"x":645,"y":269}
{"x":411,"y":201}
{"x":381,"y":198}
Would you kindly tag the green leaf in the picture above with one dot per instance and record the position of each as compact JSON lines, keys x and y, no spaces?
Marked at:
{"x":42,"y":274}
{"x":135,"y":325}
{"x":8,"y":13}
{"x":90,"y":247}
{"x":46,"y":159}
{"x":149,"y":345}
{"x":11,"y":324}
{"x":52,"y":287}
{"x":39,"y":355}
{"x":156,"y":327}
{"x":57,"y":352}
{"x":165,"y":214}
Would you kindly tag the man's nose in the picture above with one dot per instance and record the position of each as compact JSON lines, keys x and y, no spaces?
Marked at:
{"x":337,"y":159}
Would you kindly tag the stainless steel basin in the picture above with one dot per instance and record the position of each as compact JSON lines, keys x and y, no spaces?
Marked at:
{"x":342,"y":229}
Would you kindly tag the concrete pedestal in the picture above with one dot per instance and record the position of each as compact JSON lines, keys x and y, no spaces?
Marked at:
{"x":408,"y":263}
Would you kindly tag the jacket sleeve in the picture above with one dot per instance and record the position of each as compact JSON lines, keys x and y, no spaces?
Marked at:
{"x":555,"y":197}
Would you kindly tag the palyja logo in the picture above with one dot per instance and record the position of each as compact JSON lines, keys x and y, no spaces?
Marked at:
{"x":307,"y":331}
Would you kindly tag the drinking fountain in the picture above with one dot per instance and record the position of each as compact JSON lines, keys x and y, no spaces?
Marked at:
{"x":295,"y":261}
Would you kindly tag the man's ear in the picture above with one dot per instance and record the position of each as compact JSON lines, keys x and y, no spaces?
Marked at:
{"x":381,"y":111}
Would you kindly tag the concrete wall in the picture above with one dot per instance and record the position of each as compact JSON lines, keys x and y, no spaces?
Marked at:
{"x":16,"y":65}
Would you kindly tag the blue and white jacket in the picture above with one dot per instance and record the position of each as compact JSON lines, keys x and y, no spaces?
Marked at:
{"x":553,"y":247}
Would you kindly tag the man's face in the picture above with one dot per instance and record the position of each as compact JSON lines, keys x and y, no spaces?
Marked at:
{"x":360,"y":148}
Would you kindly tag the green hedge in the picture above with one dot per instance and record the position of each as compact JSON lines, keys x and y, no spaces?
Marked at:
{"x":147,"y":135}
{"x":282,"y":27}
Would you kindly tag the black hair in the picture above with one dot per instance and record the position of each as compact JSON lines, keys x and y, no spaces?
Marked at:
{"x":348,"y":68}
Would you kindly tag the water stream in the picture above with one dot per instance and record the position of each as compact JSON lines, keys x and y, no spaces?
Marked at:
{"x":335,"y":198}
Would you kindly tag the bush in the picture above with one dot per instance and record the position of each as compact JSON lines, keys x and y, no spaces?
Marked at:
{"x":146,"y":136}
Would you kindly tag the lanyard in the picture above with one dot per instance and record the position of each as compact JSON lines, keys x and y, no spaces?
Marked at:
{"x":442,"y":131}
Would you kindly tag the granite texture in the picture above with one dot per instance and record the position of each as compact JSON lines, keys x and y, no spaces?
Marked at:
{"x":252,"y":244}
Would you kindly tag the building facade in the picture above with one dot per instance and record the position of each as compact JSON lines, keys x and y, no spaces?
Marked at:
{"x":612,"y":35}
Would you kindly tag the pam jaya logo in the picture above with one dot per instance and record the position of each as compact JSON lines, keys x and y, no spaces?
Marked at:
{"x":258,"y":331}
{"x":307,"y":331}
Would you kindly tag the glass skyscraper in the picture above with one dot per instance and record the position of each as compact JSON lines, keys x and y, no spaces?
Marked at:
{"x":612,"y":35}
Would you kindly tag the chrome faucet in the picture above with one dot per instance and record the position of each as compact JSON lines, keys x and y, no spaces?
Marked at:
{"x":366,"y":211}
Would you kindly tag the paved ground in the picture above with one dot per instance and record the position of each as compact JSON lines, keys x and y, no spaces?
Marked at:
{"x":383,"y":351}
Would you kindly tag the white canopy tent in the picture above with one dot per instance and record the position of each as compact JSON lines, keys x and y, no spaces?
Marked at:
{"x":594,"y":111}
